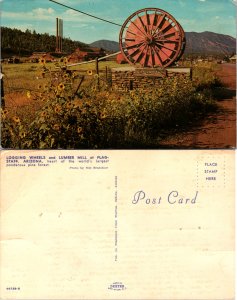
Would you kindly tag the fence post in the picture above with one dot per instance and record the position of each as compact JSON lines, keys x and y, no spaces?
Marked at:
{"x":2,"y":91}
{"x":97,"y":73}
{"x":106,"y":74}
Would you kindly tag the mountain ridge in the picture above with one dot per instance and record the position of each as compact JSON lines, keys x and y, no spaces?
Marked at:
{"x":17,"y":42}
{"x":205,"y":42}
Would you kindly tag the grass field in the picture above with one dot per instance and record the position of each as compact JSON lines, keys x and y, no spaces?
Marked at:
{"x":28,"y":76}
{"x":45,"y":110}
{"x":21,"y":76}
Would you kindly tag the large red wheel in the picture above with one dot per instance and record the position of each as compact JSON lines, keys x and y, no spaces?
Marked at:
{"x":152,"y":37}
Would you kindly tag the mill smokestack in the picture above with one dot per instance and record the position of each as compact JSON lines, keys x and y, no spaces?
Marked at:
{"x":59,"y":35}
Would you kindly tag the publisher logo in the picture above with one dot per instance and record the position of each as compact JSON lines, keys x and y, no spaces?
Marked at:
{"x":117,"y":286}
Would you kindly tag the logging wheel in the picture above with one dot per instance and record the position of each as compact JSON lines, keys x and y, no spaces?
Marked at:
{"x":152,"y":38}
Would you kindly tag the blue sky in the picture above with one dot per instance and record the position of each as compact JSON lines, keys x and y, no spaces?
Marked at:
{"x":194,"y":15}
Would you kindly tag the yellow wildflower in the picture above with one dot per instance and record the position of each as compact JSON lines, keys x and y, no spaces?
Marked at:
{"x":43,"y":114}
{"x":87,"y":104}
{"x":103,"y":116}
{"x":61,"y":87}
{"x":42,"y":61}
{"x":5,"y":111}
{"x":89,"y":72}
{"x":22,"y":134}
{"x":11,"y":132}
{"x":3,"y":115}
{"x":16,"y":119}
{"x":28,"y":94}
{"x":77,"y":104}
{"x":58,"y":109}
{"x":79,"y":130}
{"x":74,"y":75}
{"x":56,"y":127}
{"x":69,"y":105}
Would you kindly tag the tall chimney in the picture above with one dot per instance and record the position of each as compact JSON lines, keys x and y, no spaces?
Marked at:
{"x":57,"y":48}
{"x":59,"y":35}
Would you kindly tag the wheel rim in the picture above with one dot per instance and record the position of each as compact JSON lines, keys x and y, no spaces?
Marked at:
{"x":152,"y":38}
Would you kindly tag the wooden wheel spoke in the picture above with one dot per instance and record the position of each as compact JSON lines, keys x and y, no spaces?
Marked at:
{"x":145,"y":56}
{"x":163,"y":46}
{"x":166,"y":28}
{"x":147,"y":19}
{"x":171,"y":32}
{"x":168,"y":41}
{"x":158,"y":56}
{"x":162,"y":18}
{"x":135,"y":40}
{"x":143,"y":25}
{"x":164,"y":53}
{"x":168,"y":35}
{"x":160,"y":21}
{"x":135,"y":45}
{"x":143,"y":33}
{"x":136,"y":50}
{"x":140,"y":55}
{"x":152,"y":57}
{"x":135,"y":34}
{"x":164,"y":36}
{"x":129,"y":40}
{"x":154,"y":20}
{"x":148,"y":54}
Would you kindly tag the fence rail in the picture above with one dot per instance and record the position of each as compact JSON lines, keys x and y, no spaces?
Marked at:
{"x":94,"y":60}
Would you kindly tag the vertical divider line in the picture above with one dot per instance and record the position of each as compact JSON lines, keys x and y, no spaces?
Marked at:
{"x":116,"y":218}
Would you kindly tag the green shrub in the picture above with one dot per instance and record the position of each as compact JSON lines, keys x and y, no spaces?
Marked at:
{"x":102,"y":119}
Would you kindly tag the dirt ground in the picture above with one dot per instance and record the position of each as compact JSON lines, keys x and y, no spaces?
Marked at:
{"x":218,"y":130}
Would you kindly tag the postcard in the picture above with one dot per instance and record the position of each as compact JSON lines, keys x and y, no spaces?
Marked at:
{"x":88,"y":209}
{"x":82,"y":74}
{"x":117,"y":225}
